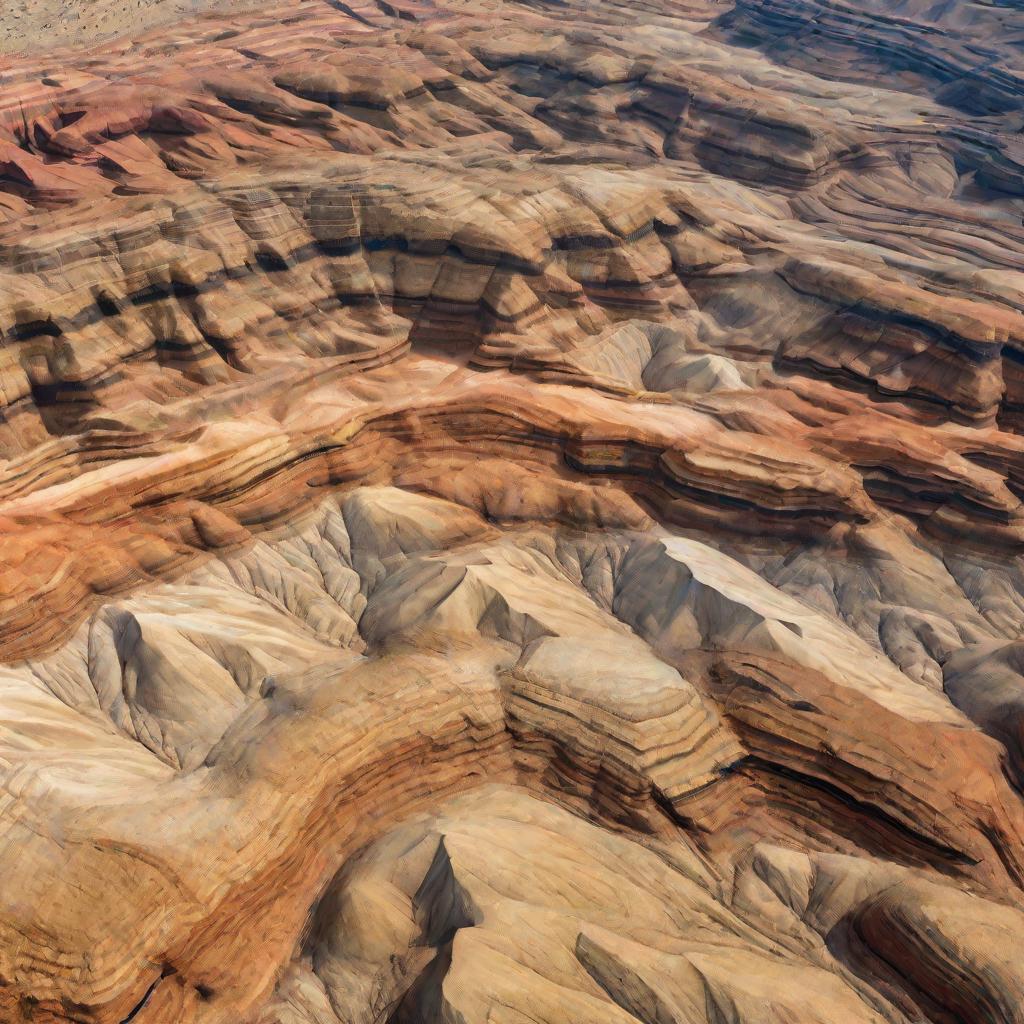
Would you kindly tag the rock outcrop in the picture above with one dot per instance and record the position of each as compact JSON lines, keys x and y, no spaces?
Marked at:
{"x":512,"y":512}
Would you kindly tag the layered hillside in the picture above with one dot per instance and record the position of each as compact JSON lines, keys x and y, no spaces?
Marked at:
{"x":511,"y":512}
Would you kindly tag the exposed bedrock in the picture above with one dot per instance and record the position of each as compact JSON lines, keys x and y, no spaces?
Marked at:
{"x":351,"y":670}
{"x":512,"y":512}
{"x":964,"y":56}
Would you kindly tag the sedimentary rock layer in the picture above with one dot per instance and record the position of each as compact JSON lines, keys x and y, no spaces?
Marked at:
{"x":512,"y":511}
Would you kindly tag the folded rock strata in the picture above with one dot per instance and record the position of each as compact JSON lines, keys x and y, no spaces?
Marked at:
{"x":512,"y":511}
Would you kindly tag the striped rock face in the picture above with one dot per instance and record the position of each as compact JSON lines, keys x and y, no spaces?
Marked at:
{"x":510,"y":512}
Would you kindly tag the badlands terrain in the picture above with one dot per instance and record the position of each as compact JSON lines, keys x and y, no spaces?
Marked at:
{"x":510,"y":512}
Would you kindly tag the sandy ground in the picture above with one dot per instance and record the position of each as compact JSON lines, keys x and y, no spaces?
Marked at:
{"x":28,"y":26}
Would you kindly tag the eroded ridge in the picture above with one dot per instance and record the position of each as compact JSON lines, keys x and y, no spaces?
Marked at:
{"x":512,"y":512}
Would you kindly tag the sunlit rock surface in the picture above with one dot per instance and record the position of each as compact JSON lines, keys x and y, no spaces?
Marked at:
{"x":511,"y":512}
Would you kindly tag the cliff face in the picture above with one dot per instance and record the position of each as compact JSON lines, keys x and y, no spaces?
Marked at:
{"x":512,"y":512}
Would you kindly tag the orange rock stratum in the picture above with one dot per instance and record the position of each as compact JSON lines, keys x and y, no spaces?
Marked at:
{"x":510,"y":512}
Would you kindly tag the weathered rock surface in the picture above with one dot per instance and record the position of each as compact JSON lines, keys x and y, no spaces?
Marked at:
{"x":511,"y":512}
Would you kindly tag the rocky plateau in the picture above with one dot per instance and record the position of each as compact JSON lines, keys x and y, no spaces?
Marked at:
{"x":511,"y":512}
